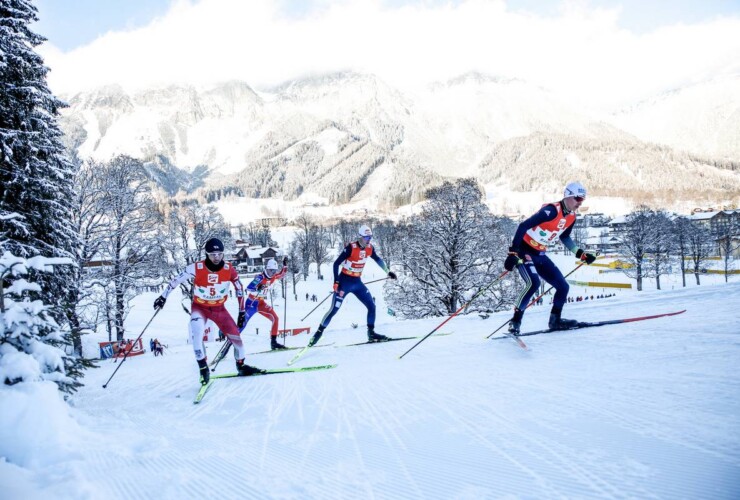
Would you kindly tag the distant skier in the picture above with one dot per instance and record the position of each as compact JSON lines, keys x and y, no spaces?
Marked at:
{"x":554,"y":221}
{"x":348,"y":280}
{"x":257,"y":293}
{"x":211,"y":289}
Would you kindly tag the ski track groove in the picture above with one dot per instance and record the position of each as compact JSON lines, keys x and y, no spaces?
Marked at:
{"x":534,"y":447}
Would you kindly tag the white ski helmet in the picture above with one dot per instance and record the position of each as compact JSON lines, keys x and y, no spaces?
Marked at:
{"x":271,"y":268}
{"x":364,"y":231}
{"x":574,"y":188}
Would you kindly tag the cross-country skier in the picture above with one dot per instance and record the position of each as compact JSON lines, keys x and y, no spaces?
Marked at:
{"x":348,"y":280}
{"x":211,"y":279}
{"x":257,"y":292}
{"x":554,"y":221}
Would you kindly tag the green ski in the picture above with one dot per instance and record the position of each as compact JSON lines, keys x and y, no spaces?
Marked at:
{"x":276,"y":370}
{"x":202,"y":392}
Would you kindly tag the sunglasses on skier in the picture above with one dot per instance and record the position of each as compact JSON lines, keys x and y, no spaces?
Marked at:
{"x":367,"y":238}
{"x":216,"y":255}
{"x":579,"y":198}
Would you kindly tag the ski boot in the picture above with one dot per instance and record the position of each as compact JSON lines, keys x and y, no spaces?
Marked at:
{"x":516,"y":322}
{"x":205,"y":372}
{"x":246,"y":370}
{"x":558,"y":323}
{"x":316,"y":337}
{"x":275,"y":345}
{"x":375,"y":337}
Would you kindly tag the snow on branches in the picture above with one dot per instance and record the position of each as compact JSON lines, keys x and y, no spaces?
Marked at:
{"x":30,"y":340}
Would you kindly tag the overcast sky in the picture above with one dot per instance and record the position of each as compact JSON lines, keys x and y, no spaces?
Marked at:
{"x":602,"y":53}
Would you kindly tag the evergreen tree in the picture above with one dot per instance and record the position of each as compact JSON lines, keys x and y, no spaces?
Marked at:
{"x":35,"y":177}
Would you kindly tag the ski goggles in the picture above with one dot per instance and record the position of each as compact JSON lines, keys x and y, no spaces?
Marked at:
{"x":215,"y":255}
{"x":367,"y":238}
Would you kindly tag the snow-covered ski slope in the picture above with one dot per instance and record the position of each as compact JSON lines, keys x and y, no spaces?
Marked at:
{"x":640,"y":410}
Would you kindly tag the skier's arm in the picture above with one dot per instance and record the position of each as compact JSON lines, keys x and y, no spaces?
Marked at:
{"x":187,"y":274}
{"x":238,"y":287}
{"x":544,"y":214}
{"x":378,"y":260}
{"x":342,"y":257}
{"x":568,"y":241}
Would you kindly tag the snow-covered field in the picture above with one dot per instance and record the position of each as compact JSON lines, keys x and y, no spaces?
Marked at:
{"x":637,"y":410}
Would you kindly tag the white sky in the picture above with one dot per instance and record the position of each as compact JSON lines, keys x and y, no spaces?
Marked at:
{"x":581,"y":51}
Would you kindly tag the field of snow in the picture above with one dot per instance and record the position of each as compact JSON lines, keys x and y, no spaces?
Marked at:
{"x":637,"y":410}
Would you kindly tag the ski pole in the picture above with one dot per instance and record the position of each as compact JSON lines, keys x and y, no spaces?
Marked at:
{"x":537,"y":298}
{"x":125,"y":355}
{"x":221,"y":354}
{"x":317,"y":306}
{"x":500,"y":277}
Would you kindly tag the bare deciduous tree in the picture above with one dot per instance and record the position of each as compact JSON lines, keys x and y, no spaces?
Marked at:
{"x":452,"y":251}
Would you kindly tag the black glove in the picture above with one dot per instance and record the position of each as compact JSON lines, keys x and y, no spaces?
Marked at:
{"x":392,"y":275}
{"x":586,"y":257}
{"x":159,"y":302}
{"x":512,"y":260}
{"x":285,"y":261}
{"x":241,"y":320}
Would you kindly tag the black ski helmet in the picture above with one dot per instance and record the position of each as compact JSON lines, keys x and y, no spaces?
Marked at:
{"x":214,"y":245}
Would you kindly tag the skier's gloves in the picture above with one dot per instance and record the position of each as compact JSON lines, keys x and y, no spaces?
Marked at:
{"x":392,"y":275}
{"x":336,"y":287}
{"x":159,"y":302}
{"x":241,"y":320}
{"x":586,"y":257}
{"x":285,"y":261}
{"x":512,"y":260}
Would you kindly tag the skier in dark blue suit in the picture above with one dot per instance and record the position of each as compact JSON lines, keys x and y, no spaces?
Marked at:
{"x":553,"y":222}
{"x":348,"y":269}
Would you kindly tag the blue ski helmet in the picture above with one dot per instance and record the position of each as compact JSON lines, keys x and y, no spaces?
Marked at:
{"x":214,"y":245}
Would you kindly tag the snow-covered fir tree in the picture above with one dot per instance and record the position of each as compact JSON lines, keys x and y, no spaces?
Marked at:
{"x":453,"y":251}
{"x":31,"y":341}
{"x":35,"y":177}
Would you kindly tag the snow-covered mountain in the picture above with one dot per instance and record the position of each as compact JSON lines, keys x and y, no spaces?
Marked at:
{"x":703,"y":119}
{"x":350,"y":137}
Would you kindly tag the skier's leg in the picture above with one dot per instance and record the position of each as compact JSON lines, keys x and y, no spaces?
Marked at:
{"x":197,"y":327}
{"x":552,"y":275}
{"x":336,"y":303}
{"x":226,"y":324}
{"x":528,"y":272}
{"x":364,"y":295}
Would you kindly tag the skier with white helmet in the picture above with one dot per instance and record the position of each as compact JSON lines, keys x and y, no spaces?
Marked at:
{"x":348,"y":269}
{"x":553,"y":222}
{"x":211,"y":278}
{"x":257,"y":292}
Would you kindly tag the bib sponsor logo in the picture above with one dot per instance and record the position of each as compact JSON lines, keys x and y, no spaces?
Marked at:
{"x":213,"y":278}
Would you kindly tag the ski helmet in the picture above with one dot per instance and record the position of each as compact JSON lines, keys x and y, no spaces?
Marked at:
{"x":574,"y":188}
{"x":364,"y":231}
{"x":214,"y":245}
{"x":271,"y":268}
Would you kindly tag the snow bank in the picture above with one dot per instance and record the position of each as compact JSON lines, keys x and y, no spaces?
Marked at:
{"x":39,"y":440}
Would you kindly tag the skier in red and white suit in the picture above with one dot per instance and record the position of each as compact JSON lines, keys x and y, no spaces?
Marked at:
{"x":211,"y":279}
{"x":257,"y":293}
